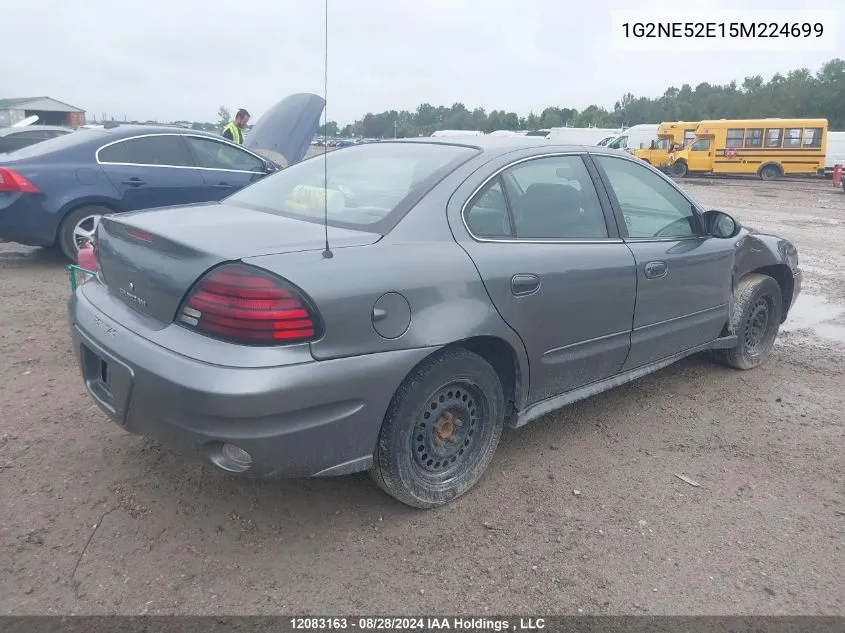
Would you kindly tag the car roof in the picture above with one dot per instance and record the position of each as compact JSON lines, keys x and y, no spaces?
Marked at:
{"x":122,"y":130}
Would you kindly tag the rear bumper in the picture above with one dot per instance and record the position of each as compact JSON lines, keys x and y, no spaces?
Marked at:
{"x":24,"y":219}
{"x":312,"y":418}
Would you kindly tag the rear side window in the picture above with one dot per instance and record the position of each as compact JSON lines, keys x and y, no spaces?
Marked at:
{"x":812,"y":137}
{"x":370,"y":186}
{"x":548,"y":198}
{"x":487,"y":215}
{"x":165,"y":150}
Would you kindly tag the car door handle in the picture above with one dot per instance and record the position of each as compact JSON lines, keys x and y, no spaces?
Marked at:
{"x":223,"y":185}
{"x":655,"y":270}
{"x":524,"y":284}
{"x":133,"y":182}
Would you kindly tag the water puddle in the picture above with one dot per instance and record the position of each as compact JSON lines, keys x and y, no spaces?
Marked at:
{"x":815,"y":313}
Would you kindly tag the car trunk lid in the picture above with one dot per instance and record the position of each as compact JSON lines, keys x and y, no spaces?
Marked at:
{"x":150,"y":259}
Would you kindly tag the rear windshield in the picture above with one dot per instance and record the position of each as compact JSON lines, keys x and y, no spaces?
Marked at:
{"x":369,"y":186}
{"x":54,"y":144}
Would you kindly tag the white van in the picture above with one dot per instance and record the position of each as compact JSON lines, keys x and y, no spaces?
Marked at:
{"x":835,"y":151}
{"x":580,"y":135}
{"x":636,"y":137}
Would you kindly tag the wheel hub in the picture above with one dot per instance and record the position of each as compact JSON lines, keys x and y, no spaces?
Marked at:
{"x":85,"y":229}
{"x":757,"y":324}
{"x":445,"y":430}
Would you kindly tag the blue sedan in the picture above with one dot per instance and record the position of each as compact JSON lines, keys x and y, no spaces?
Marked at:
{"x":54,"y":193}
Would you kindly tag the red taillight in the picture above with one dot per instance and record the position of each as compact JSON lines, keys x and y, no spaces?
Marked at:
{"x":13,"y":182}
{"x":242,"y":304}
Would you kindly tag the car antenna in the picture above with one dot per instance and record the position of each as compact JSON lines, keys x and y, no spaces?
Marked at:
{"x":327,"y":254}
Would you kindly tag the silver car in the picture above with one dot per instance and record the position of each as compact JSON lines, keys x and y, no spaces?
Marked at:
{"x":397,"y":315}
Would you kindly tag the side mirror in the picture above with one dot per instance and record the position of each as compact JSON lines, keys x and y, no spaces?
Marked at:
{"x":721,"y":225}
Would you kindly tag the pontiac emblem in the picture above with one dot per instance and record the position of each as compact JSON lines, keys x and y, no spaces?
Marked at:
{"x":130,"y":294}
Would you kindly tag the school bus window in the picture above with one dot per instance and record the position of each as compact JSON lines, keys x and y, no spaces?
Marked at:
{"x":773,"y":136}
{"x":754,"y":137}
{"x":701,"y":145}
{"x":813,"y":137}
{"x":734,"y":138}
{"x":689,"y":136}
{"x":792,"y":138}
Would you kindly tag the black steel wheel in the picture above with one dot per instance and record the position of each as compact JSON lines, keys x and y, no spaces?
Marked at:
{"x":441,"y":430}
{"x":757,"y":310}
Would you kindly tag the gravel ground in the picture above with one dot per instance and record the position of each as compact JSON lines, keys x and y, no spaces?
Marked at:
{"x":95,"y":520}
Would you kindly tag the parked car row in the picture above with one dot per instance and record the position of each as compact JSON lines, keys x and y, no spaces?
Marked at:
{"x":55,"y":192}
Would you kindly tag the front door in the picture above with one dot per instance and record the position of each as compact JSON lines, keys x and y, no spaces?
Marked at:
{"x":701,"y":155}
{"x":683,"y":276}
{"x":548,"y":251}
{"x":225,"y":168}
{"x":153,"y":170}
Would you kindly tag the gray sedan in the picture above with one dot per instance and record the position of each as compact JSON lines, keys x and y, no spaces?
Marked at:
{"x":396,"y":316}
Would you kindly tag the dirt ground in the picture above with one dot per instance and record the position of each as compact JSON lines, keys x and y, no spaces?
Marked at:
{"x":94,"y":520}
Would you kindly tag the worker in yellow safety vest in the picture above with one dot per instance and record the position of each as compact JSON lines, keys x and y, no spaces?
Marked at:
{"x":234,"y":131}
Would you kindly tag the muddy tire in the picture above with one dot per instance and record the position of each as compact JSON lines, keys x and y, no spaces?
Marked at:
{"x":757,"y":309}
{"x":441,"y":430}
{"x":78,"y":225}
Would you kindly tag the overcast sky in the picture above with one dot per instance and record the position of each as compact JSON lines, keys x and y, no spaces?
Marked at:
{"x":182,"y":59}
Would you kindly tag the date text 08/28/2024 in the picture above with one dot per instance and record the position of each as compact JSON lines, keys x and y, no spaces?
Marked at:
{"x":429,"y":623}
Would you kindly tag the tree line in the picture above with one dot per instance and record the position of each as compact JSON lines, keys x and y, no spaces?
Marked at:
{"x":800,"y":93}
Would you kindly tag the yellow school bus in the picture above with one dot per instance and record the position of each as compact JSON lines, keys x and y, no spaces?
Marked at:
{"x":671,"y":136}
{"x":768,"y":148}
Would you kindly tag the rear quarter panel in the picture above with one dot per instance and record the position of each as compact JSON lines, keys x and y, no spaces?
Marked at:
{"x":68,"y":179}
{"x":418,"y":259}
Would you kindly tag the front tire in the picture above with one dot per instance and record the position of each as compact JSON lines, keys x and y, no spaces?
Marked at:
{"x":757,"y":309}
{"x":680,"y":169}
{"x":441,"y":430}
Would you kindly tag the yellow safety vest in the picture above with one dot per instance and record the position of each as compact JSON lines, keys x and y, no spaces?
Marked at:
{"x":237,"y":137}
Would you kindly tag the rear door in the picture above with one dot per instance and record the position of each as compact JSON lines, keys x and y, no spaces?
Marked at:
{"x":152,"y":170}
{"x":554,"y":266}
{"x":224,"y":167}
{"x":683,"y":275}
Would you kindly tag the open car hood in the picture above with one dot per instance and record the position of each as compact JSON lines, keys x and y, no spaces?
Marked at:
{"x":284,"y":133}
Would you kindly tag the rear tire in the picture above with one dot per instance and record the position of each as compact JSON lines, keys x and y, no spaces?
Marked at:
{"x":76,"y":226}
{"x":757,"y":309}
{"x":441,"y":430}
{"x":770,"y":172}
